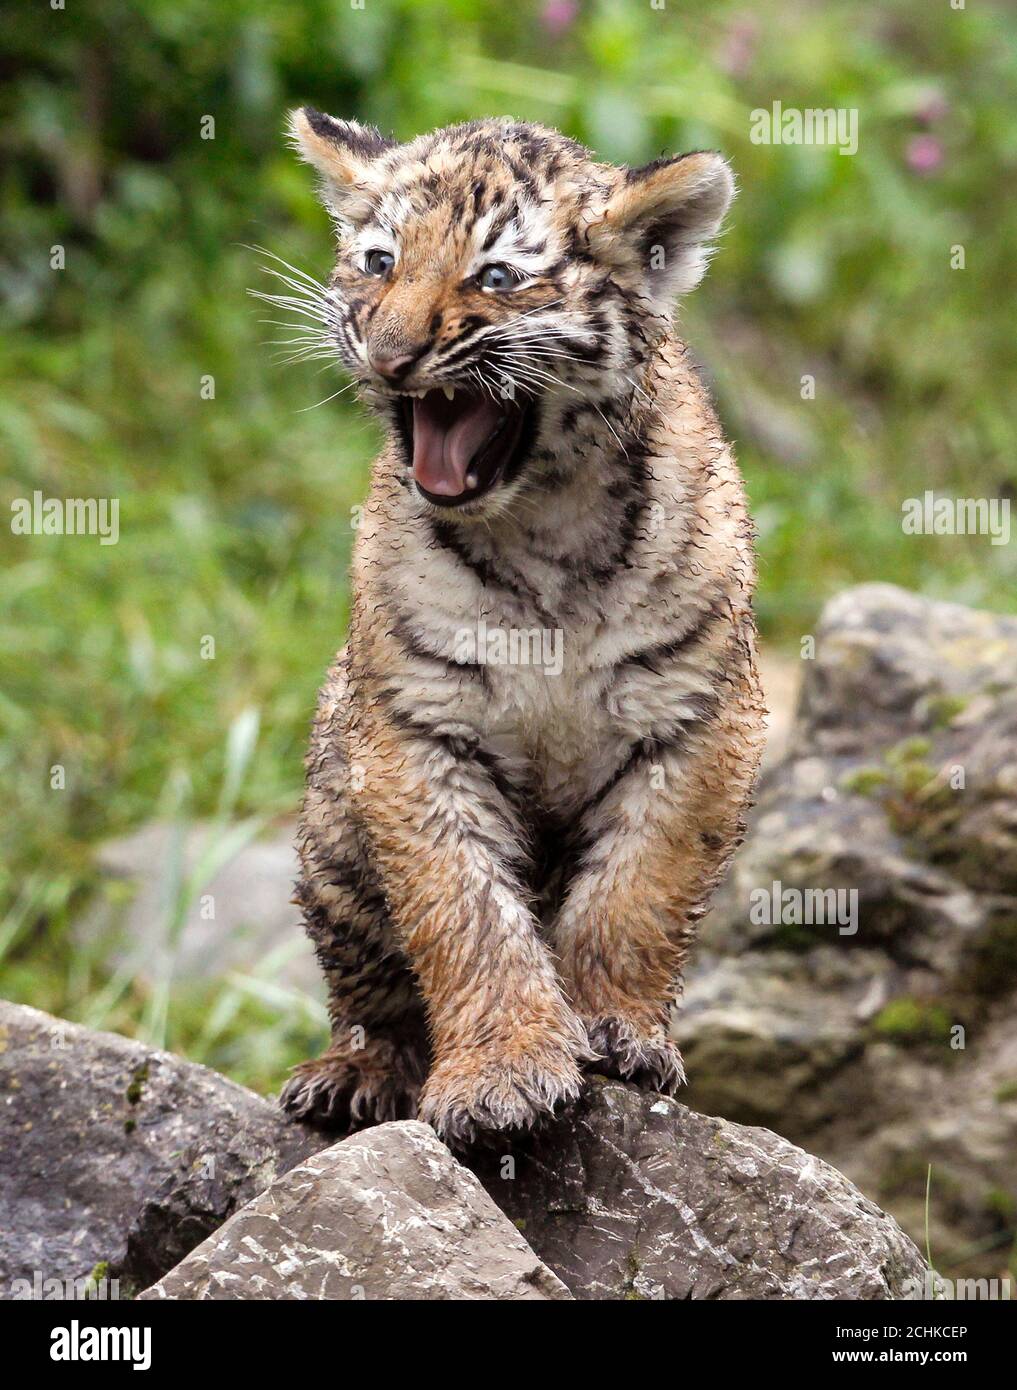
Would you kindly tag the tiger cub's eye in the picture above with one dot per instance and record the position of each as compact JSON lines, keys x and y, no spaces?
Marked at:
{"x":497,"y":277}
{"x":378,"y":262}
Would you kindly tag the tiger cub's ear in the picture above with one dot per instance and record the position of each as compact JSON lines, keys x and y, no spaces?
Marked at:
{"x":344,"y":153}
{"x":658,"y":220}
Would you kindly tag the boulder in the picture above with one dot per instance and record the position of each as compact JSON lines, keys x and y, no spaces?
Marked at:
{"x":117,"y":1155}
{"x":877,"y":1039}
{"x":387,"y":1214}
{"x":631,"y":1195}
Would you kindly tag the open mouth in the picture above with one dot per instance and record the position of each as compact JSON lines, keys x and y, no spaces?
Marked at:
{"x":462,"y":443}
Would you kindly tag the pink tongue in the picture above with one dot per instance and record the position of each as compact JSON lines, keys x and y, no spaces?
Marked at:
{"x":446,"y":436}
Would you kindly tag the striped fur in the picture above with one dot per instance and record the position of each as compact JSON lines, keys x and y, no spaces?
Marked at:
{"x":503,"y":867}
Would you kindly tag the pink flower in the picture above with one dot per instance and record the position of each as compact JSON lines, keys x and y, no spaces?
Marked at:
{"x":737,"y":48}
{"x":558,"y":16}
{"x":923,"y":154}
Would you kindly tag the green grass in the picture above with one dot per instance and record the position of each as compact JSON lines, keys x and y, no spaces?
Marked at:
{"x":235,"y":525}
{"x":235,"y":512}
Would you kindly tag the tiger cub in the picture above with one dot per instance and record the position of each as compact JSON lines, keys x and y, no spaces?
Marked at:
{"x":531,"y":763}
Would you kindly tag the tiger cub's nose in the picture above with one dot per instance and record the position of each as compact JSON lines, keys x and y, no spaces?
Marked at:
{"x":395,"y":368}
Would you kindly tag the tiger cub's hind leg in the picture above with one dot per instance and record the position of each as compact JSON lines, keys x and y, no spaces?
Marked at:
{"x":351,"y":1085}
{"x":377,"y":1059}
{"x":378,"y":1056}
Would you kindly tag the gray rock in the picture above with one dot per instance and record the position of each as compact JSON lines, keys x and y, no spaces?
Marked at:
{"x":236,"y":913}
{"x":870,"y":1048}
{"x":781,"y":680}
{"x":887,"y":660}
{"x":387,"y":1214}
{"x":761,"y":1038}
{"x":632,"y":1195}
{"x":961,"y":1123}
{"x":114,"y":1153}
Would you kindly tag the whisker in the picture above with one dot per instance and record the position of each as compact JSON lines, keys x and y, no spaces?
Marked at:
{"x":342,"y":389}
{"x":305,"y":355}
{"x":324,"y":301}
{"x":297,"y":286}
{"x":291,"y":299}
{"x":311,"y":340}
{"x":263,"y":251}
{"x":636,"y":387}
{"x":281,"y":301}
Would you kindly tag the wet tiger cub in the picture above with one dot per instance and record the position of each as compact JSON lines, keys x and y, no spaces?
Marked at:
{"x":530,"y":764}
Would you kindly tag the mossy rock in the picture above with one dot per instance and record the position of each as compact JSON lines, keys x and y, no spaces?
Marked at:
{"x":991,"y":966}
{"x":942,"y":710}
{"x":865,"y":781}
{"x":911,"y":1022}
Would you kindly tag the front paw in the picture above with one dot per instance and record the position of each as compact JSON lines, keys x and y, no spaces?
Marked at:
{"x":346,"y":1090}
{"x":492,"y":1089}
{"x":627,"y":1052}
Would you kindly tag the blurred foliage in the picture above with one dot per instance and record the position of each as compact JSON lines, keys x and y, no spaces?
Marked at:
{"x":236,"y":511}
